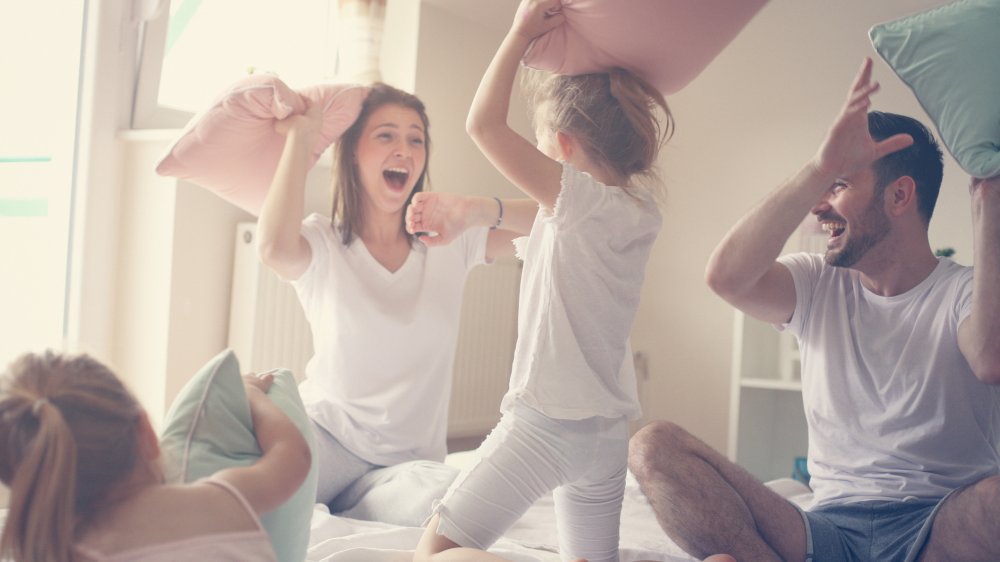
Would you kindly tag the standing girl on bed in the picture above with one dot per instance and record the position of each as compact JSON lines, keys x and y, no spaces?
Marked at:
{"x":80,"y":458}
{"x":384,"y":308}
{"x":572,"y":390}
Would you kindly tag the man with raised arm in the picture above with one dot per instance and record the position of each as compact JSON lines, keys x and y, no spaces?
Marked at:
{"x":900,"y":365}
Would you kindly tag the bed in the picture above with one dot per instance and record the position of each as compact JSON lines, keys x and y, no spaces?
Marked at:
{"x":532,"y":539}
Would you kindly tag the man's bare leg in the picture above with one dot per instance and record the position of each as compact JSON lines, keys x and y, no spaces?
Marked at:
{"x":967,"y":527}
{"x":709,"y":505}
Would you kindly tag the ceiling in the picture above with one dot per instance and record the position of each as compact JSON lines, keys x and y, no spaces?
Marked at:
{"x":491,"y":13}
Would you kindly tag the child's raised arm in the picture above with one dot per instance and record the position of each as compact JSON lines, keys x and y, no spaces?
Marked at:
{"x":286,"y":458}
{"x":515,"y":157}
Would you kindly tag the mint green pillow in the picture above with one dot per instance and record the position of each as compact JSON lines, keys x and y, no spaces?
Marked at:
{"x":950,"y":57}
{"x":209,"y":428}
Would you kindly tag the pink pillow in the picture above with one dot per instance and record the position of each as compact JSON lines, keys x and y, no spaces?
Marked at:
{"x":666,"y":42}
{"x":233,"y":149}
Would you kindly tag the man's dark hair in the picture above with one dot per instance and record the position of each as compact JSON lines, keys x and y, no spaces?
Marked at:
{"x":921,"y":161}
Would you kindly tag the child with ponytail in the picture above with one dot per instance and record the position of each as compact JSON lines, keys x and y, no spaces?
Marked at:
{"x":79,"y":455}
{"x":565,"y":418}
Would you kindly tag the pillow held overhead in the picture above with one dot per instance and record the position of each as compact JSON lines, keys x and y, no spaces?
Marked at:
{"x":949,"y":57}
{"x":232,"y":148}
{"x":666,"y":42}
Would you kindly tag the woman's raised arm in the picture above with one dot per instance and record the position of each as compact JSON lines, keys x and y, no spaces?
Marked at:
{"x":280,"y":244}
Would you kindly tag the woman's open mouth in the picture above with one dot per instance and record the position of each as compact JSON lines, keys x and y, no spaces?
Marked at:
{"x":396,"y":178}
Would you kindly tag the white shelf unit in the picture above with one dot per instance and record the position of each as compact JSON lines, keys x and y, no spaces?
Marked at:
{"x":767,"y":426}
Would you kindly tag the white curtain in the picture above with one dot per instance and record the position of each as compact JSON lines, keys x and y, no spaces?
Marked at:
{"x":360,"y":41}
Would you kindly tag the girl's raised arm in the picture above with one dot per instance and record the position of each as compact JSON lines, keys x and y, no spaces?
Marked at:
{"x":515,"y":157}
{"x":286,"y":458}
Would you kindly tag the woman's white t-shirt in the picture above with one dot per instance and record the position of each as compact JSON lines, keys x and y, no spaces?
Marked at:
{"x":380,"y":378}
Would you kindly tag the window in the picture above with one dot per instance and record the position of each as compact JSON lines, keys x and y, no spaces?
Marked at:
{"x":194,"y":50}
{"x":200,"y":47}
{"x":42,"y":42}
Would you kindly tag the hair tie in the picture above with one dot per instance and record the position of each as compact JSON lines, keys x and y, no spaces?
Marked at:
{"x":36,"y":408}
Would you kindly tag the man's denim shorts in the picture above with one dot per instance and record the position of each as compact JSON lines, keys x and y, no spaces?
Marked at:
{"x":875,"y":531}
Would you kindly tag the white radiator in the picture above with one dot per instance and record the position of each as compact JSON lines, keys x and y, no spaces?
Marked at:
{"x":267,"y":329}
{"x":487,"y":334}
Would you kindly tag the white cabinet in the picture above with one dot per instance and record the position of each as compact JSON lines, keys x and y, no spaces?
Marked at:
{"x":767,"y":426}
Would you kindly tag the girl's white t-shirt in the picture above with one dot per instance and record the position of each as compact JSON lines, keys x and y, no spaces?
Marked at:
{"x":584,"y":264}
{"x":380,"y":378}
{"x":894,"y":410}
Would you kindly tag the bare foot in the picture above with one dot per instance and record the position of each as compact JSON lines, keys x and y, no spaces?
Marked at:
{"x":720,"y":558}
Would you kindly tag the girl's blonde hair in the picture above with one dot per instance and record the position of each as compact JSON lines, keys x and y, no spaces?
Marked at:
{"x":348,"y":191}
{"x":612,"y":114}
{"x":68,"y":436}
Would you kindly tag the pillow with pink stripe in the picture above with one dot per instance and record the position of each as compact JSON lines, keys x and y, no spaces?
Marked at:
{"x":209,"y":428}
{"x":232,"y":148}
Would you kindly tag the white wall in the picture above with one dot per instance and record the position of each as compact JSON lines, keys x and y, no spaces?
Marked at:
{"x":453,"y":54}
{"x":174,"y":274}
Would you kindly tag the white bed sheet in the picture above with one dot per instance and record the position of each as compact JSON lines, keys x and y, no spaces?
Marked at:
{"x":532,"y":539}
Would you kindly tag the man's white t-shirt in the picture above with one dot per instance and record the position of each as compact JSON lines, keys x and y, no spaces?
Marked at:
{"x":893,"y":408}
{"x":584,"y":265}
{"x":380,"y":378}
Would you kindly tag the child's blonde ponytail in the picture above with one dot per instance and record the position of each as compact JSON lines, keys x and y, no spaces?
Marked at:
{"x":614,"y":115}
{"x":68,"y":441}
{"x":40,"y":521}
{"x":639,"y":102}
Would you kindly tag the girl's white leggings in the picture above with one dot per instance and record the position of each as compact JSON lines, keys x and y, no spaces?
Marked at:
{"x":529,"y":454}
